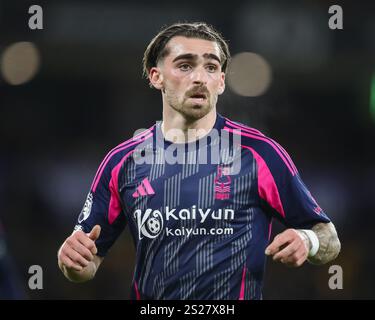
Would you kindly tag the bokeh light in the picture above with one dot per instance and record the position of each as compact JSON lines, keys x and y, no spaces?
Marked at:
{"x":249,"y":74}
{"x":20,"y":62}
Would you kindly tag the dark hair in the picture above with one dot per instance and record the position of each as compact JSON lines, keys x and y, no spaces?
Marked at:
{"x":156,"y":49}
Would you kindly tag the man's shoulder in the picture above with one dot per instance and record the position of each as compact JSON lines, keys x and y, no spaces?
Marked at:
{"x":124,"y":149}
{"x":250,"y":137}
{"x":261,"y":145}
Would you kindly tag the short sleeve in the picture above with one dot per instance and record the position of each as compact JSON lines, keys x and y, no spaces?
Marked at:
{"x":300,"y":208}
{"x":281,"y":189}
{"x":103,"y":207}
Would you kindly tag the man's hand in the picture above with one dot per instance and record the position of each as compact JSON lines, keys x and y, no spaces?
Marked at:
{"x":289,"y":248}
{"x":77,"y":256}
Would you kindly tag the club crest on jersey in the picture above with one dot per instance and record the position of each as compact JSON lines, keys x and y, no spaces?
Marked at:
{"x":222,"y":183}
{"x":149,"y":224}
{"x":86,"y":209}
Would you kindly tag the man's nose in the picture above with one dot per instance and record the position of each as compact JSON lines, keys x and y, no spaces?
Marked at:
{"x":199,"y":76}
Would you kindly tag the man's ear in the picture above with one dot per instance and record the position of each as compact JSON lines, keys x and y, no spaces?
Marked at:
{"x":222,"y":84}
{"x":156,"y":78}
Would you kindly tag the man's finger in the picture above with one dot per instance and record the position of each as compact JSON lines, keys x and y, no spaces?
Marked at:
{"x":88,"y":243}
{"x":300,"y":262}
{"x":83,"y":251}
{"x":278,"y":242}
{"x":77,"y":258}
{"x":287,"y":251}
{"x":95,"y":233}
{"x":68,"y":263}
{"x":295,"y":259}
{"x":295,"y":263}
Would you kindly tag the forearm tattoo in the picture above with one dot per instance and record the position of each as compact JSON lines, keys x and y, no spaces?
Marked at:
{"x":329,"y":243}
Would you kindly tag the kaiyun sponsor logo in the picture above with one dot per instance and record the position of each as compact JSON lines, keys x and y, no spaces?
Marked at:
{"x":150,"y":222}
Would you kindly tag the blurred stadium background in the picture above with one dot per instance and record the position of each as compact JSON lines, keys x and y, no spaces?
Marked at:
{"x":72,"y":91}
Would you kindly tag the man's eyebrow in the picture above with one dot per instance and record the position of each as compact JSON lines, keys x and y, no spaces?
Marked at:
{"x":186,"y":56}
{"x":190,"y":56}
{"x":212,"y":56}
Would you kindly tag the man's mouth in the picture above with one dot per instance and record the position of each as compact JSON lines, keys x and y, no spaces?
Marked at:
{"x":198,"y":96}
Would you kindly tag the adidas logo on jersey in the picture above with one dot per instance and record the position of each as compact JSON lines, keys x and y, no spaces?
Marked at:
{"x":144,"y":189}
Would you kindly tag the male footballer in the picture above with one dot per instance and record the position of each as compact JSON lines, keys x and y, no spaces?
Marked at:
{"x":197,"y":190}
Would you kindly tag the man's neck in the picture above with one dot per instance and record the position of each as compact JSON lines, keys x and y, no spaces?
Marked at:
{"x":178,"y":129}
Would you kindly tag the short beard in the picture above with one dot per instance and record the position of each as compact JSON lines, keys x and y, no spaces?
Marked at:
{"x":192,"y":112}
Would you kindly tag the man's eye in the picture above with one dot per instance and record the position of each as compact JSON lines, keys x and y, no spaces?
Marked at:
{"x":211,"y":68}
{"x":184,"y":67}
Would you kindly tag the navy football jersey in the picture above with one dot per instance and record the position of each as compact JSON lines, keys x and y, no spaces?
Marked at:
{"x":200,"y":213}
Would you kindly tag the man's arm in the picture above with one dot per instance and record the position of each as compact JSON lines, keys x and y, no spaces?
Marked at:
{"x":292,"y":246}
{"x":329,"y":243}
{"x":77,"y":257}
